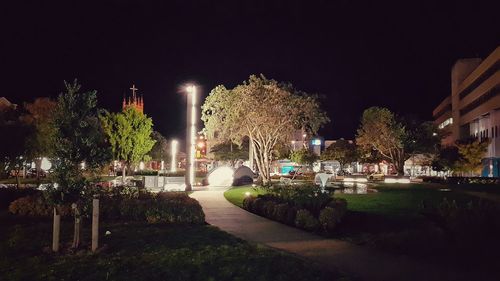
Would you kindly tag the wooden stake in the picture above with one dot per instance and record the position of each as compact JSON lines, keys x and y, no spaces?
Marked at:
{"x":56,"y":230}
{"x":95,"y":224}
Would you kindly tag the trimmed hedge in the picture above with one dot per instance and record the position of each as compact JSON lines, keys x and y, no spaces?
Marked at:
{"x":163,"y":207}
{"x":8,"y":195}
{"x":296,"y":215}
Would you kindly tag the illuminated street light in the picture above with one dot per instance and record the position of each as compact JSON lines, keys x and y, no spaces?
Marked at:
{"x":173,"y":149}
{"x":190,"y":136}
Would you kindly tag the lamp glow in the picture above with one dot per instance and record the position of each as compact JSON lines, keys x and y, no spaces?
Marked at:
{"x":173,"y":149}
{"x":190,"y":136}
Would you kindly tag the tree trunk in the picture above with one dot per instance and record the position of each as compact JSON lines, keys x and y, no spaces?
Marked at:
{"x":56,"y":229}
{"x":124,"y":171}
{"x":38,"y":167}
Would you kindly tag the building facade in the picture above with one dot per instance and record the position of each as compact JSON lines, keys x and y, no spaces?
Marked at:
{"x":473,"y":109}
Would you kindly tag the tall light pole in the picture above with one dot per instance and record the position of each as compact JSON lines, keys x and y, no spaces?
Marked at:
{"x":190,"y":136}
{"x":173,"y":151}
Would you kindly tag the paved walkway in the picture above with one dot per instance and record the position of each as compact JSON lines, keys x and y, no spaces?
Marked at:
{"x":355,"y":261}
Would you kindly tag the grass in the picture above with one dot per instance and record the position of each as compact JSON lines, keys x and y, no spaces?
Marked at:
{"x":390,"y":220}
{"x":138,"y":251}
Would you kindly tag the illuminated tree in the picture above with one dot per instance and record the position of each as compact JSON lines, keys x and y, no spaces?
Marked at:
{"x":471,"y":156}
{"x":265,"y":111}
{"x":41,"y":143}
{"x":380,"y":131}
{"x":231,"y":152}
{"x":342,"y":151}
{"x":129,"y":133}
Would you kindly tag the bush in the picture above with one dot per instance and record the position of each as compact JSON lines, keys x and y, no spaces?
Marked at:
{"x":304,"y":219}
{"x":10,"y":194}
{"x":291,"y":214}
{"x":328,"y":218}
{"x":35,"y":206}
{"x":166,"y":207}
{"x":280,"y":212}
{"x":268,"y":209}
{"x":340,"y":206}
{"x":248,"y":203}
{"x":258,"y":206}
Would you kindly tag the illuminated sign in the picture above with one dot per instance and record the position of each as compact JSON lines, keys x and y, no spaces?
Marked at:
{"x":316,"y":142}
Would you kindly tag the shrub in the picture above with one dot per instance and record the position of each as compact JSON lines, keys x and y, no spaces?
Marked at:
{"x":268,"y":209}
{"x":280,"y":212}
{"x":291,"y":214}
{"x":174,"y":208}
{"x":340,"y":206}
{"x":10,"y":194}
{"x":258,"y":206}
{"x":304,"y":219}
{"x":328,"y":218}
{"x":248,"y":203}
{"x":35,"y":206}
{"x":167,"y":207}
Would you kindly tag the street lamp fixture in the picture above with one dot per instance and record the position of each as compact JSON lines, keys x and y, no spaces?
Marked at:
{"x":173,"y":149}
{"x":190,"y":136}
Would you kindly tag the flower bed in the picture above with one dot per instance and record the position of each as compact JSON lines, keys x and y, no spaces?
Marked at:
{"x":306,"y":207}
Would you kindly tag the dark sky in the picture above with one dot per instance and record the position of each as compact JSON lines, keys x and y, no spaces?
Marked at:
{"x":355,"y":53}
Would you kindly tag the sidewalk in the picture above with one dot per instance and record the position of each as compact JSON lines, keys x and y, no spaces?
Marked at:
{"x":353,"y":260}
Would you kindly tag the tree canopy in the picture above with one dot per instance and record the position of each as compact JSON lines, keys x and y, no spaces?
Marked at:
{"x":130,"y":135}
{"x":342,"y":150}
{"x":265,"y":111}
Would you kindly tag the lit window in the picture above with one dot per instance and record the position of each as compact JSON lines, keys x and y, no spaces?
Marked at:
{"x":446,"y":123}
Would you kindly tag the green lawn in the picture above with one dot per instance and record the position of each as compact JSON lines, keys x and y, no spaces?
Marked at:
{"x":138,"y":251}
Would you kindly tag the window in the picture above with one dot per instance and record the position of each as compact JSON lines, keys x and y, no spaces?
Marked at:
{"x":446,"y":123}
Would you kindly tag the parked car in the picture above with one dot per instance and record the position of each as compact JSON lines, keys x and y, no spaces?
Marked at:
{"x":376,"y":176}
{"x":31,"y":173}
{"x":293,"y":172}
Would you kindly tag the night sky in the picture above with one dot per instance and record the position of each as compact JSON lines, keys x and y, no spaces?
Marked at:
{"x":354,"y":53}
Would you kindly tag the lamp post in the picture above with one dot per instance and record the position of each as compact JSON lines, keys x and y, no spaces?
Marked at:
{"x":173,"y":151}
{"x":190,"y":137}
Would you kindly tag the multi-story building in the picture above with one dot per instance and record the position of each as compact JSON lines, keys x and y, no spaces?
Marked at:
{"x":473,"y":109}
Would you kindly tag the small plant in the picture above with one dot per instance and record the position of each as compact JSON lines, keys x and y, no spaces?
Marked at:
{"x":328,"y":218}
{"x":304,"y":219}
{"x":248,"y":203}
{"x":280,"y":212}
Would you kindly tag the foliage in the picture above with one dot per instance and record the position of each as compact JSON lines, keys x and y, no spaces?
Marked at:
{"x":40,"y":116}
{"x":304,"y":219}
{"x":122,"y":204}
{"x":7,"y":195}
{"x":471,"y":154}
{"x":342,"y":150}
{"x":380,"y":131}
{"x":265,"y":111}
{"x":129,"y":133}
{"x":446,"y":159}
{"x":160,"y":150}
{"x":303,"y":156}
{"x":79,"y":140}
{"x":36,"y":206}
{"x":328,"y":218}
{"x":229,"y":151}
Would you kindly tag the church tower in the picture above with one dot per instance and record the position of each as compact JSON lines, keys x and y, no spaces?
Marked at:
{"x":134,"y":101}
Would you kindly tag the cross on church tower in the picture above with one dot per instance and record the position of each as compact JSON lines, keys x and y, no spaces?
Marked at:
{"x":133,"y":90}
{"x":135,"y":102}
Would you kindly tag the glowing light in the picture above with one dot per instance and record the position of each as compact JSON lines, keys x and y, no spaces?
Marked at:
{"x":141,"y":166}
{"x":393,"y":180}
{"x":192,"y":91}
{"x":316,"y":142}
{"x":355,"y":179}
{"x":45,"y":165}
{"x":173,"y":149}
{"x":82,"y":165}
{"x":247,"y":194}
{"x":222,"y":176}
{"x":201,"y":145}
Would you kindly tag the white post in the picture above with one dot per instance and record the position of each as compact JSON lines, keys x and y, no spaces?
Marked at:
{"x":56,"y":227}
{"x":95,"y":224}
{"x":190,"y":137}
{"x":173,"y":151}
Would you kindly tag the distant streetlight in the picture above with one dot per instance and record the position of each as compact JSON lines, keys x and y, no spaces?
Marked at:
{"x":173,"y":149}
{"x":190,"y":136}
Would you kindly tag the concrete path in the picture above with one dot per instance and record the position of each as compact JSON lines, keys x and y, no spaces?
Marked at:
{"x":355,"y":261}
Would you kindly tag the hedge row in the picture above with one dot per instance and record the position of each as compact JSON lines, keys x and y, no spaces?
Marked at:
{"x":154,"y":208}
{"x":327,"y":219}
